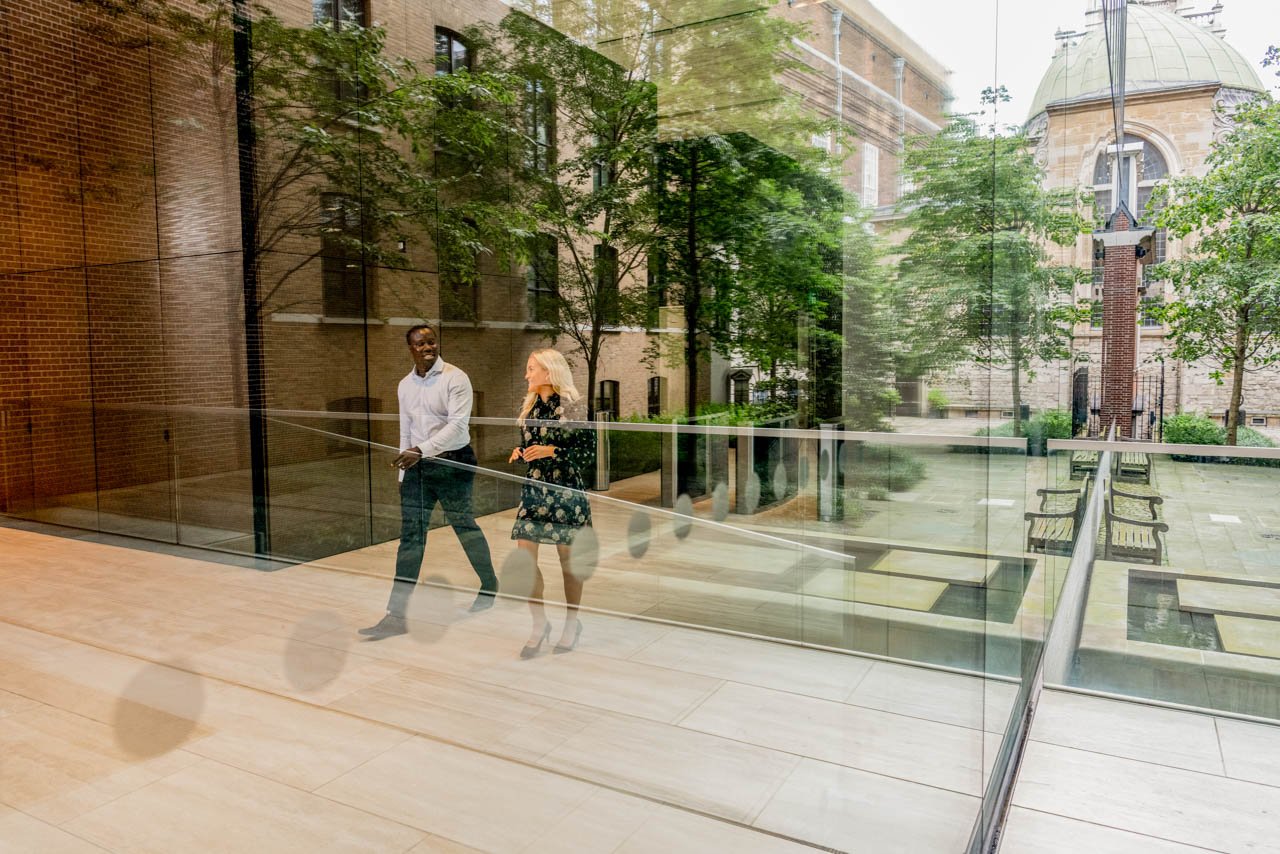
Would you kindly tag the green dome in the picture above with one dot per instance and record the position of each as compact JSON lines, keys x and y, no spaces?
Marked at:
{"x":1165,"y":51}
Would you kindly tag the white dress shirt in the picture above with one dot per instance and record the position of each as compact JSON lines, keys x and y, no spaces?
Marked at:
{"x":435,"y":410}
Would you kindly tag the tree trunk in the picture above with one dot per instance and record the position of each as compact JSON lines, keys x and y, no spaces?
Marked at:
{"x":773,"y":381}
{"x":1016,"y":351}
{"x":688,"y":443}
{"x":693,"y":294}
{"x":1237,"y":378}
{"x":592,"y":366}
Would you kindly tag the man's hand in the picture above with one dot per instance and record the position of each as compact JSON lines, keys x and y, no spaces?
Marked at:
{"x":408,"y":459}
{"x":516,"y":454}
{"x":538,"y":452}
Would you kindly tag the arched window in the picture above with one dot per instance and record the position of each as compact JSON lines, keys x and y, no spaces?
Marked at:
{"x":1144,"y":166}
{"x":452,"y":53}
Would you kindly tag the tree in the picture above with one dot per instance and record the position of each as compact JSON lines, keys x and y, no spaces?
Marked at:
{"x":1227,"y":308}
{"x":355,"y":152}
{"x":596,"y":199}
{"x":974,"y":282}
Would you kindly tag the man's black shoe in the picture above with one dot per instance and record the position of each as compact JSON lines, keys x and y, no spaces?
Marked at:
{"x":388,"y":626}
{"x":484,"y":601}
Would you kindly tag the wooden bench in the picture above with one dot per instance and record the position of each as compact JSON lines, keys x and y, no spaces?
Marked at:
{"x":1133,"y":466}
{"x":1133,"y":539}
{"x":1054,"y":527}
{"x":1083,"y":463}
{"x":1150,"y":500}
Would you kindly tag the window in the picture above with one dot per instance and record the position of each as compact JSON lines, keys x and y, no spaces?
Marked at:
{"x":341,"y":270}
{"x":1147,"y":312}
{"x":1095,"y":314}
{"x":657,"y":387}
{"x":741,"y":389}
{"x":655,"y":287}
{"x":601,"y":169}
{"x":870,"y":175}
{"x":459,"y":292}
{"x":542,"y":278}
{"x":1142,"y":166}
{"x":1258,"y":421}
{"x":606,"y":261}
{"x":452,"y":53}
{"x":539,"y":126}
{"x":607,"y":397}
{"x":340,"y":13}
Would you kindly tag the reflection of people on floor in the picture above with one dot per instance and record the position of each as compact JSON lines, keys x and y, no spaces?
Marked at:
{"x":435,"y":414}
{"x":553,"y":504}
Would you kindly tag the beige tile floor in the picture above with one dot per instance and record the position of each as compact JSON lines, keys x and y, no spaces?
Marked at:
{"x":1104,"y":775}
{"x":153,"y":703}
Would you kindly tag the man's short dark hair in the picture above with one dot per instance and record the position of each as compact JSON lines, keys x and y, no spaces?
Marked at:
{"x":418,"y":328}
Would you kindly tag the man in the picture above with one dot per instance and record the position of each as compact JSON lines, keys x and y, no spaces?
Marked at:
{"x":435,"y":411}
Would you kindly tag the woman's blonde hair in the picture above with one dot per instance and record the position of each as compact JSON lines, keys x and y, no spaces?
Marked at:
{"x":560,"y":376}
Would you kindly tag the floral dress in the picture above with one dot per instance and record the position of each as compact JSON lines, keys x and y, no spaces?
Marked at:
{"x":547,"y":514}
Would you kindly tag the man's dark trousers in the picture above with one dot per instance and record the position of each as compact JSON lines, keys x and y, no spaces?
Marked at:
{"x":426,"y":483}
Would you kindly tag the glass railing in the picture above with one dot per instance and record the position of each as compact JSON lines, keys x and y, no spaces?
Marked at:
{"x":1182,"y":604}
{"x":898,"y":568}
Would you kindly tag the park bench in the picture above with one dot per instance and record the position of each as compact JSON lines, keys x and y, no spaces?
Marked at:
{"x":1134,"y":498}
{"x":1053,"y":528}
{"x":1132,"y":539}
{"x":1083,"y":463}
{"x":1133,"y":466}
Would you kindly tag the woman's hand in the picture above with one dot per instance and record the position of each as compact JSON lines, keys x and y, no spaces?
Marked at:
{"x":516,"y":454}
{"x":538,"y":452}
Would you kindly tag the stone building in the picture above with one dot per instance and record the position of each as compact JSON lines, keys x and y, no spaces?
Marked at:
{"x":1181,"y":74}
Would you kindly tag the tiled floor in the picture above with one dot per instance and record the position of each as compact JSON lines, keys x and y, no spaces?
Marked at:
{"x":152,"y":703}
{"x":1107,"y":776}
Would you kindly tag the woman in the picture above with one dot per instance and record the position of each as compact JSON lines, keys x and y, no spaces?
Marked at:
{"x":553,"y":504}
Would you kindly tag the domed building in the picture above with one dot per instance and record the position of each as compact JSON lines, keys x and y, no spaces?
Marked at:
{"x":1180,"y":74}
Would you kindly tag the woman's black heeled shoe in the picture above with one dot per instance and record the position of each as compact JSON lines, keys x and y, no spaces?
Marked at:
{"x":530,"y":650}
{"x":561,"y":648}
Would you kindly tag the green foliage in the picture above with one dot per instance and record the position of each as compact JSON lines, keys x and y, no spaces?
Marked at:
{"x":742,"y":414}
{"x":974,"y":282}
{"x":881,"y":467}
{"x":633,"y":452}
{"x":1189,"y":429}
{"x":1043,"y":426}
{"x":1227,"y":309}
{"x":598,"y":192}
{"x":937,"y":399}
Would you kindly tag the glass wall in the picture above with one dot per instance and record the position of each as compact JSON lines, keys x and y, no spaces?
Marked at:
{"x":834,"y":318}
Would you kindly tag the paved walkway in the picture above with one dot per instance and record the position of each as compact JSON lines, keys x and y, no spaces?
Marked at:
{"x":1114,"y":777}
{"x":155,"y":703}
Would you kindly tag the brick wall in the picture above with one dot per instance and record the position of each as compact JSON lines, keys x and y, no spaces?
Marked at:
{"x":121,"y":297}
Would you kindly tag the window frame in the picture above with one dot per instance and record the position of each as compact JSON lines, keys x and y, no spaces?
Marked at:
{"x":609,"y":391}
{"x":542,"y":276}
{"x":605,"y":257}
{"x":454,"y":40}
{"x":344,"y":290}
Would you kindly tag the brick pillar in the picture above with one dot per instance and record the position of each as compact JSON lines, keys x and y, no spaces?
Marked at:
{"x":1119,"y":331}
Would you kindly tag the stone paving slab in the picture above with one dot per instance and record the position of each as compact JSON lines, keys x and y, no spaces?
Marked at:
{"x":1250,"y":636}
{"x":1235,"y":599}
{"x":955,"y":569}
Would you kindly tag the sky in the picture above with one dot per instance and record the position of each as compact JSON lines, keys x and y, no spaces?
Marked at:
{"x":962,"y":35}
